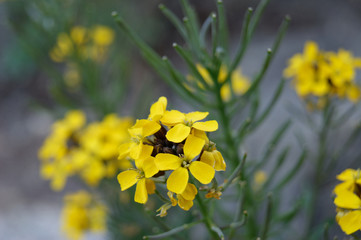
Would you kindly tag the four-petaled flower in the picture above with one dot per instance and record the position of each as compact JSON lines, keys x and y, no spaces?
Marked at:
{"x":178,"y":179}
{"x":146,"y":168}
{"x":183,"y":123}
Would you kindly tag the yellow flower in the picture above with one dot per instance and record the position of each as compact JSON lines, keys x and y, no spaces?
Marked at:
{"x":93,"y":172}
{"x":239,"y":83}
{"x":146,"y":168}
{"x":183,"y":123}
{"x":350,"y":178}
{"x":324,"y":74}
{"x":178,"y":179}
{"x":348,"y":200}
{"x":158,"y":109}
{"x":102,"y":35}
{"x":185,"y":199}
{"x":78,"y":35}
{"x":80,"y":214}
{"x":259,"y":178}
{"x":350,"y":220}
{"x":138,"y":134}
{"x":59,"y":149}
{"x":210,"y":154}
{"x":63,"y":48}
{"x":103,"y":138}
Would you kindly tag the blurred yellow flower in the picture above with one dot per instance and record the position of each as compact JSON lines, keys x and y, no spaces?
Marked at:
{"x":239,"y":83}
{"x":324,"y":74}
{"x":90,"y":151}
{"x":81,"y":214}
{"x":102,"y":36}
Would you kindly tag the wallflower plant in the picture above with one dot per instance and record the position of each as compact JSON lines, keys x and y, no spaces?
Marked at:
{"x":175,"y":158}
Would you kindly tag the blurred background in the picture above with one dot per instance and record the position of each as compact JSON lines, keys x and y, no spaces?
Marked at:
{"x":32,"y":97}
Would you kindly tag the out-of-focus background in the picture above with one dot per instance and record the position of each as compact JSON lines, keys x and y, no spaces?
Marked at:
{"x":29,"y":209}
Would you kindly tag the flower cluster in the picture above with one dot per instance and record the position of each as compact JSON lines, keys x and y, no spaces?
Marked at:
{"x":91,"y":151}
{"x":169,"y":145}
{"x":323,"y":74}
{"x":81,"y":44}
{"x":239,"y":83}
{"x":81,"y":213}
{"x":348,"y":200}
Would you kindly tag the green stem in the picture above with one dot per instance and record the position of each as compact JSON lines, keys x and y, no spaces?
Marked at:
{"x":320,"y":162}
{"x":207,"y":220}
{"x":172,"y":231}
{"x":226,"y":122}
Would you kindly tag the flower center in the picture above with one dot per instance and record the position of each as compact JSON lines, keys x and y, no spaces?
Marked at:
{"x":188,"y":122}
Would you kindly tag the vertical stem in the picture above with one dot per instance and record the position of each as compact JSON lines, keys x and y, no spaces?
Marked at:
{"x":207,"y":220}
{"x":320,"y":162}
{"x":231,"y":142}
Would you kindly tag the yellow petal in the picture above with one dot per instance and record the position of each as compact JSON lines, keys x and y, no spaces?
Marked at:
{"x":158,"y":108}
{"x":220,"y":164}
{"x":145,"y":153}
{"x":350,"y":222}
{"x":149,"y":167}
{"x":200,"y":134}
{"x":345,"y":186}
{"x":173,"y":117}
{"x":127,"y":179}
{"x":178,"y":180}
{"x":193,"y":147}
{"x":202,"y":172}
{"x":150,"y":186}
{"x":178,"y":133}
{"x":207,"y":157}
{"x":353,"y":93}
{"x":136,"y":132}
{"x":190,"y":192}
{"x":184,"y":203}
{"x":141,"y":194}
{"x":347,"y":174}
{"x":226,"y":92}
{"x":135,"y":150}
{"x":209,"y":126}
{"x":166,"y":161}
{"x":196,"y":116}
{"x":150,"y":128}
{"x":348,"y":200}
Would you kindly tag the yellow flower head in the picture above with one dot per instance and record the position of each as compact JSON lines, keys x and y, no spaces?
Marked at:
{"x":88,"y":151}
{"x":239,"y":83}
{"x":210,"y":154}
{"x":182,"y":124}
{"x":155,"y":151}
{"x":102,"y":35}
{"x":85,"y":43}
{"x":146,"y":168}
{"x":81,"y":214}
{"x":178,"y":179}
{"x":323,"y":74}
{"x":185,"y":199}
{"x":348,"y":201}
{"x":158,"y":109}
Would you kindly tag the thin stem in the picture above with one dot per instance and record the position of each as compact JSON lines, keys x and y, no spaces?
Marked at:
{"x":173,"y":231}
{"x":268,"y":218}
{"x":235,"y":173}
{"x":207,"y":220}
